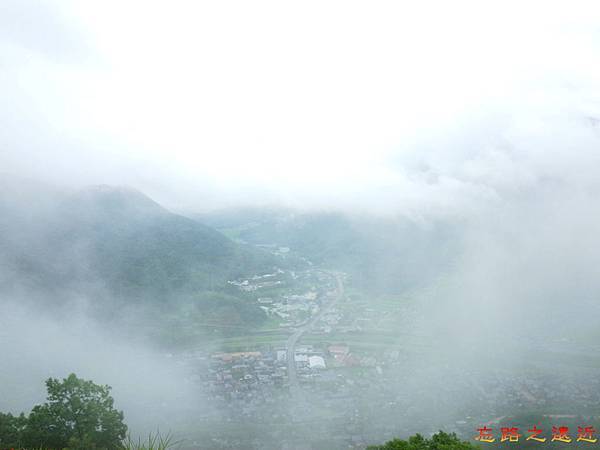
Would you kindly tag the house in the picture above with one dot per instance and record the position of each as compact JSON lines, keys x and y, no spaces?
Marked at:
{"x":300,"y":358}
{"x":316,"y":362}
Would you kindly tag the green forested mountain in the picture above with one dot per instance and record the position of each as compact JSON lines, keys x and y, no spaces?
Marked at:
{"x":139,"y":248}
{"x":115,"y":243}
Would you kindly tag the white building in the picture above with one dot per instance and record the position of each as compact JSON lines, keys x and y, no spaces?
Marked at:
{"x":316,"y":362}
{"x":300,"y":358}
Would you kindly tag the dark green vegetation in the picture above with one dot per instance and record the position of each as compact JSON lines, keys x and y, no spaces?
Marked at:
{"x":154,"y":441}
{"x":139,"y":250}
{"x":78,"y":415}
{"x":119,"y":249}
{"x":439,"y":441}
{"x":385,"y":255}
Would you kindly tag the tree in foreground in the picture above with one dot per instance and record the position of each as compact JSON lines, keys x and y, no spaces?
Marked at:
{"x":11,"y":430}
{"x":78,"y":414}
{"x":439,"y":441}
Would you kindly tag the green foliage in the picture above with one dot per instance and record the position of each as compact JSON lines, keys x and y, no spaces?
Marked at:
{"x":439,"y":441}
{"x":11,"y":430}
{"x":137,"y":252}
{"x":78,"y":415}
{"x":226,"y":309}
{"x":153,"y":442}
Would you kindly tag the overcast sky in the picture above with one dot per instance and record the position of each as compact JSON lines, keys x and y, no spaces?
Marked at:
{"x":443,"y":105}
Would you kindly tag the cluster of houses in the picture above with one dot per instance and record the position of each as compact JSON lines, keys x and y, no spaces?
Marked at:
{"x":288,"y":296}
{"x":291,"y":309}
{"x":393,"y":392}
{"x":241,"y":375}
{"x":252,"y":387}
{"x":257,"y":282}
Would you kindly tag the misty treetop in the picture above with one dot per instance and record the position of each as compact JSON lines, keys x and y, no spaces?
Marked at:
{"x":439,"y":441}
{"x":78,"y":415}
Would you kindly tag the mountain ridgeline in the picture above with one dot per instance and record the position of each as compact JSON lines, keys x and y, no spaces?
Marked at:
{"x":385,"y":255}
{"x":122,"y":247}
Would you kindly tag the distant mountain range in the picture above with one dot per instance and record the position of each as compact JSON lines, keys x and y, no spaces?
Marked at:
{"x":384,"y":254}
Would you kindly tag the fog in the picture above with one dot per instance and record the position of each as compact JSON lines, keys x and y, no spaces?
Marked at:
{"x":455,"y":146}
{"x":146,"y":383}
{"x":202,"y":105}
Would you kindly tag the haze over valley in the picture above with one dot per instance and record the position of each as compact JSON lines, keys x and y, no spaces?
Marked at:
{"x":316,"y":226}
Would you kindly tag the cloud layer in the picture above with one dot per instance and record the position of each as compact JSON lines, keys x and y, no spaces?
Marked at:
{"x":335,"y":104}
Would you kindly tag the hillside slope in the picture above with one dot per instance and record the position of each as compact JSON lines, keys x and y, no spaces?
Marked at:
{"x":114,"y":244}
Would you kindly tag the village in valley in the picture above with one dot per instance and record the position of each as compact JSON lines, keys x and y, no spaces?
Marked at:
{"x":344,"y":368}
